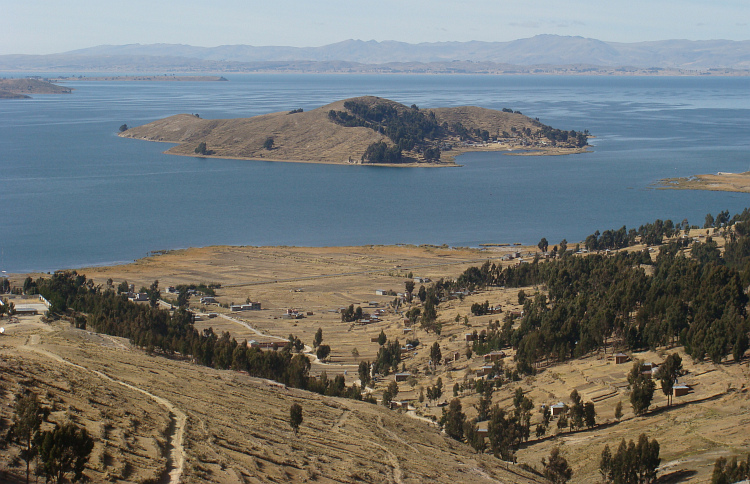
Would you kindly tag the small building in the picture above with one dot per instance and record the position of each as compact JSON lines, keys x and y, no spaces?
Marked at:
{"x":26,"y":311}
{"x":471,"y":336}
{"x":621,"y":358}
{"x":252,"y":306}
{"x":494,"y":356}
{"x":292,"y":314}
{"x":680,"y":390}
{"x":557,"y":409}
{"x":484,"y":370}
{"x":402,"y":377}
{"x":402,"y":404}
{"x":456,"y":355}
{"x":171,"y":290}
{"x":141,"y":296}
{"x":381,"y":292}
{"x":208,"y":300}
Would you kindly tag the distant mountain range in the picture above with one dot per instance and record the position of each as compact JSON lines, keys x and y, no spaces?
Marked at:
{"x":356,"y":55}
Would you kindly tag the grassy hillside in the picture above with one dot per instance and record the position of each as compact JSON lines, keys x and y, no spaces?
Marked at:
{"x":148,"y":413}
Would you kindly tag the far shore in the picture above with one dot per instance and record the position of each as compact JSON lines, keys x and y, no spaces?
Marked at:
{"x":162,"y":78}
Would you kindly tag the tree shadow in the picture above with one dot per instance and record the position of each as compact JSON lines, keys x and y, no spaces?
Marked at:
{"x":677,"y":476}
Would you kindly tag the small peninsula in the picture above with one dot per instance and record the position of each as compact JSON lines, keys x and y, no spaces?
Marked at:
{"x":362,"y":130}
{"x":21,"y":88}
{"x":719,"y":182}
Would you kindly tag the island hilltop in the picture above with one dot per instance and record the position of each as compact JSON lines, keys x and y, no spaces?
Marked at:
{"x":362,"y":130}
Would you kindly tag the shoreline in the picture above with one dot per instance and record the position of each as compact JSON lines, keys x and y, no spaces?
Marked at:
{"x":488,"y":248}
{"x":448,"y":156}
{"x":719,"y":182}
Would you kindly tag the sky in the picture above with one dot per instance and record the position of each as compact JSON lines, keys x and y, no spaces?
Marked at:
{"x":52,"y":26}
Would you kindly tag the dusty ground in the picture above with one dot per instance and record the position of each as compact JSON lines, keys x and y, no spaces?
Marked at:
{"x":709,"y":422}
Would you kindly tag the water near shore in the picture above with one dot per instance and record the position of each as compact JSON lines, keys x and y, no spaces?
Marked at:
{"x":75,"y":194}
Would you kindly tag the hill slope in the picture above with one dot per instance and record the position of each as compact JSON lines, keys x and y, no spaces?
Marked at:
{"x":314,"y":137}
{"x":226,"y":426}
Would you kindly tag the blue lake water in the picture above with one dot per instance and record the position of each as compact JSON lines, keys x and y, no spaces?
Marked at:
{"x":74,"y":194}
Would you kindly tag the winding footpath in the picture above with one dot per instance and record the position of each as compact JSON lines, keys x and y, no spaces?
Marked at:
{"x":176,"y":460}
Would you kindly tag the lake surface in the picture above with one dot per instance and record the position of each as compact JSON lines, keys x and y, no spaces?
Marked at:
{"x":75,"y":194}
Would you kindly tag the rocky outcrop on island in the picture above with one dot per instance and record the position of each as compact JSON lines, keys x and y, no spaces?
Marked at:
{"x":363,"y":130}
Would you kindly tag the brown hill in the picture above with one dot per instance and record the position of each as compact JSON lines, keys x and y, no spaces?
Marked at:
{"x":162,"y":420}
{"x":313,"y":137}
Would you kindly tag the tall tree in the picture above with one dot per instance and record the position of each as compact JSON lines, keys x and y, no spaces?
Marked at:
{"x":435,"y":354}
{"x":64,"y":450}
{"x":295,"y":417}
{"x":556,"y":467}
{"x":668,"y":373}
{"x":27,"y":418}
{"x":318,"y":338}
{"x":641,"y":389}
{"x":453,"y":420}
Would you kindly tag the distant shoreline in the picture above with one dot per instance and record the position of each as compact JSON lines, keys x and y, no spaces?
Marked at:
{"x":162,"y":78}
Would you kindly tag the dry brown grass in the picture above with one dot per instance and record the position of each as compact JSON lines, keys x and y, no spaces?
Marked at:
{"x":237,"y":427}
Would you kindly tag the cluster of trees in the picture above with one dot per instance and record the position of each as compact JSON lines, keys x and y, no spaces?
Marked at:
{"x":579,"y":139}
{"x":409,"y":129}
{"x":202,"y":149}
{"x":380,"y":152}
{"x":61,"y":451}
{"x":506,"y":431}
{"x":350,"y":314}
{"x":173,"y":334}
{"x":435,"y":391}
{"x":729,"y":472}
{"x":388,"y":358}
{"x":698,"y":302}
{"x":633,"y":463}
{"x":479,"y":309}
{"x":574,"y":416}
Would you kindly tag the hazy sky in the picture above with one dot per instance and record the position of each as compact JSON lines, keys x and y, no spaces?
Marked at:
{"x":50,"y":26}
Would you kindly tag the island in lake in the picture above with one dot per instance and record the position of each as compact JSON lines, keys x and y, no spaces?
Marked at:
{"x":21,"y":88}
{"x":362,"y":130}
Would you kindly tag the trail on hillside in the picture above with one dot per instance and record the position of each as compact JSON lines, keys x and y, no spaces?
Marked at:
{"x":176,"y":458}
{"x":250,"y":327}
